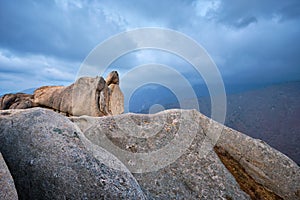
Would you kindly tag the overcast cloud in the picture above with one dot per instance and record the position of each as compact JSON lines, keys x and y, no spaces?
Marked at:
{"x":44,"y":42}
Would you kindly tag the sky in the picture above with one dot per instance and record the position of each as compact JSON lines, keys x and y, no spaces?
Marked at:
{"x":251,"y":42}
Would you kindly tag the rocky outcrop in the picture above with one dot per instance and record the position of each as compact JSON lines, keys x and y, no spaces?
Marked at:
{"x":87,"y":96}
{"x":16,"y":101}
{"x":50,"y":158}
{"x":201,"y":171}
{"x":175,"y":154}
{"x":116,"y":97}
{"x":188,"y":176}
{"x":7,"y":186}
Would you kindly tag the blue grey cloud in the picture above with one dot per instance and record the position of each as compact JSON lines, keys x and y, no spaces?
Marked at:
{"x":44,"y":42}
{"x":53,"y":28}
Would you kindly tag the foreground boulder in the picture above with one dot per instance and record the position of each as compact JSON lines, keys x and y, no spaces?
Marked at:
{"x":210,"y":168}
{"x":50,"y":158}
{"x":190,"y":176}
{"x":7,"y":186}
{"x":16,"y":101}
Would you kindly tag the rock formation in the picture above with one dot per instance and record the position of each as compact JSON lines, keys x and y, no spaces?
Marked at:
{"x":16,"y":101}
{"x":87,"y":96}
{"x":116,"y":97}
{"x":258,"y":170}
{"x":49,"y":158}
{"x":7,"y":186}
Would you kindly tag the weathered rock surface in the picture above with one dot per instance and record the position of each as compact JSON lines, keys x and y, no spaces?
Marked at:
{"x":112,"y":78}
{"x":116,"y":97}
{"x":261,"y":171}
{"x":50,"y":158}
{"x":16,"y":101}
{"x":87,"y":96}
{"x":7,"y":186}
{"x":49,"y":96}
{"x":192,"y":176}
{"x":267,"y":166}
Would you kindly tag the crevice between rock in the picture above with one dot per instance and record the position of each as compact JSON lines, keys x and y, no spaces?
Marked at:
{"x":246,"y":182}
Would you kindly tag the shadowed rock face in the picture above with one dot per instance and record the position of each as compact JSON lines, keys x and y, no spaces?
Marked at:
{"x":16,"y":101}
{"x":246,"y":182}
{"x":50,"y":158}
{"x":196,"y":174}
{"x":7,"y":186}
{"x":116,"y":97}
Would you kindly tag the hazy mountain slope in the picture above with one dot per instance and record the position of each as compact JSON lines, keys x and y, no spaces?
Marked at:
{"x":271,"y":114}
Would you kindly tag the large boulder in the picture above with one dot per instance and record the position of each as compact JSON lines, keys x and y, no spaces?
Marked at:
{"x":16,"y":101}
{"x":140,"y":138}
{"x":116,"y":97}
{"x":49,"y":96}
{"x":87,"y":96}
{"x":206,"y":168}
{"x":7,"y":186}
{"x":50,"y":158}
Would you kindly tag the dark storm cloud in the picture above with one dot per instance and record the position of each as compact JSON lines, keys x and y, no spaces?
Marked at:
{"x":232,"y":11}
{"x":245,"y":22}
{"x":250,"y":41}
{"x":52,"y":28}
{"x":44,"y":42}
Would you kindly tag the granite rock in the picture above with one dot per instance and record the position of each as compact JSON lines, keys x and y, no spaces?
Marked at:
{"x":16,"y":101}
{"x":50,"y":158}
{"x":116,"y":97}
{"x":87,"y":96}
{"x":219,"y":163}
{"x":7,"y":186}
{"x":193,"y":173}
